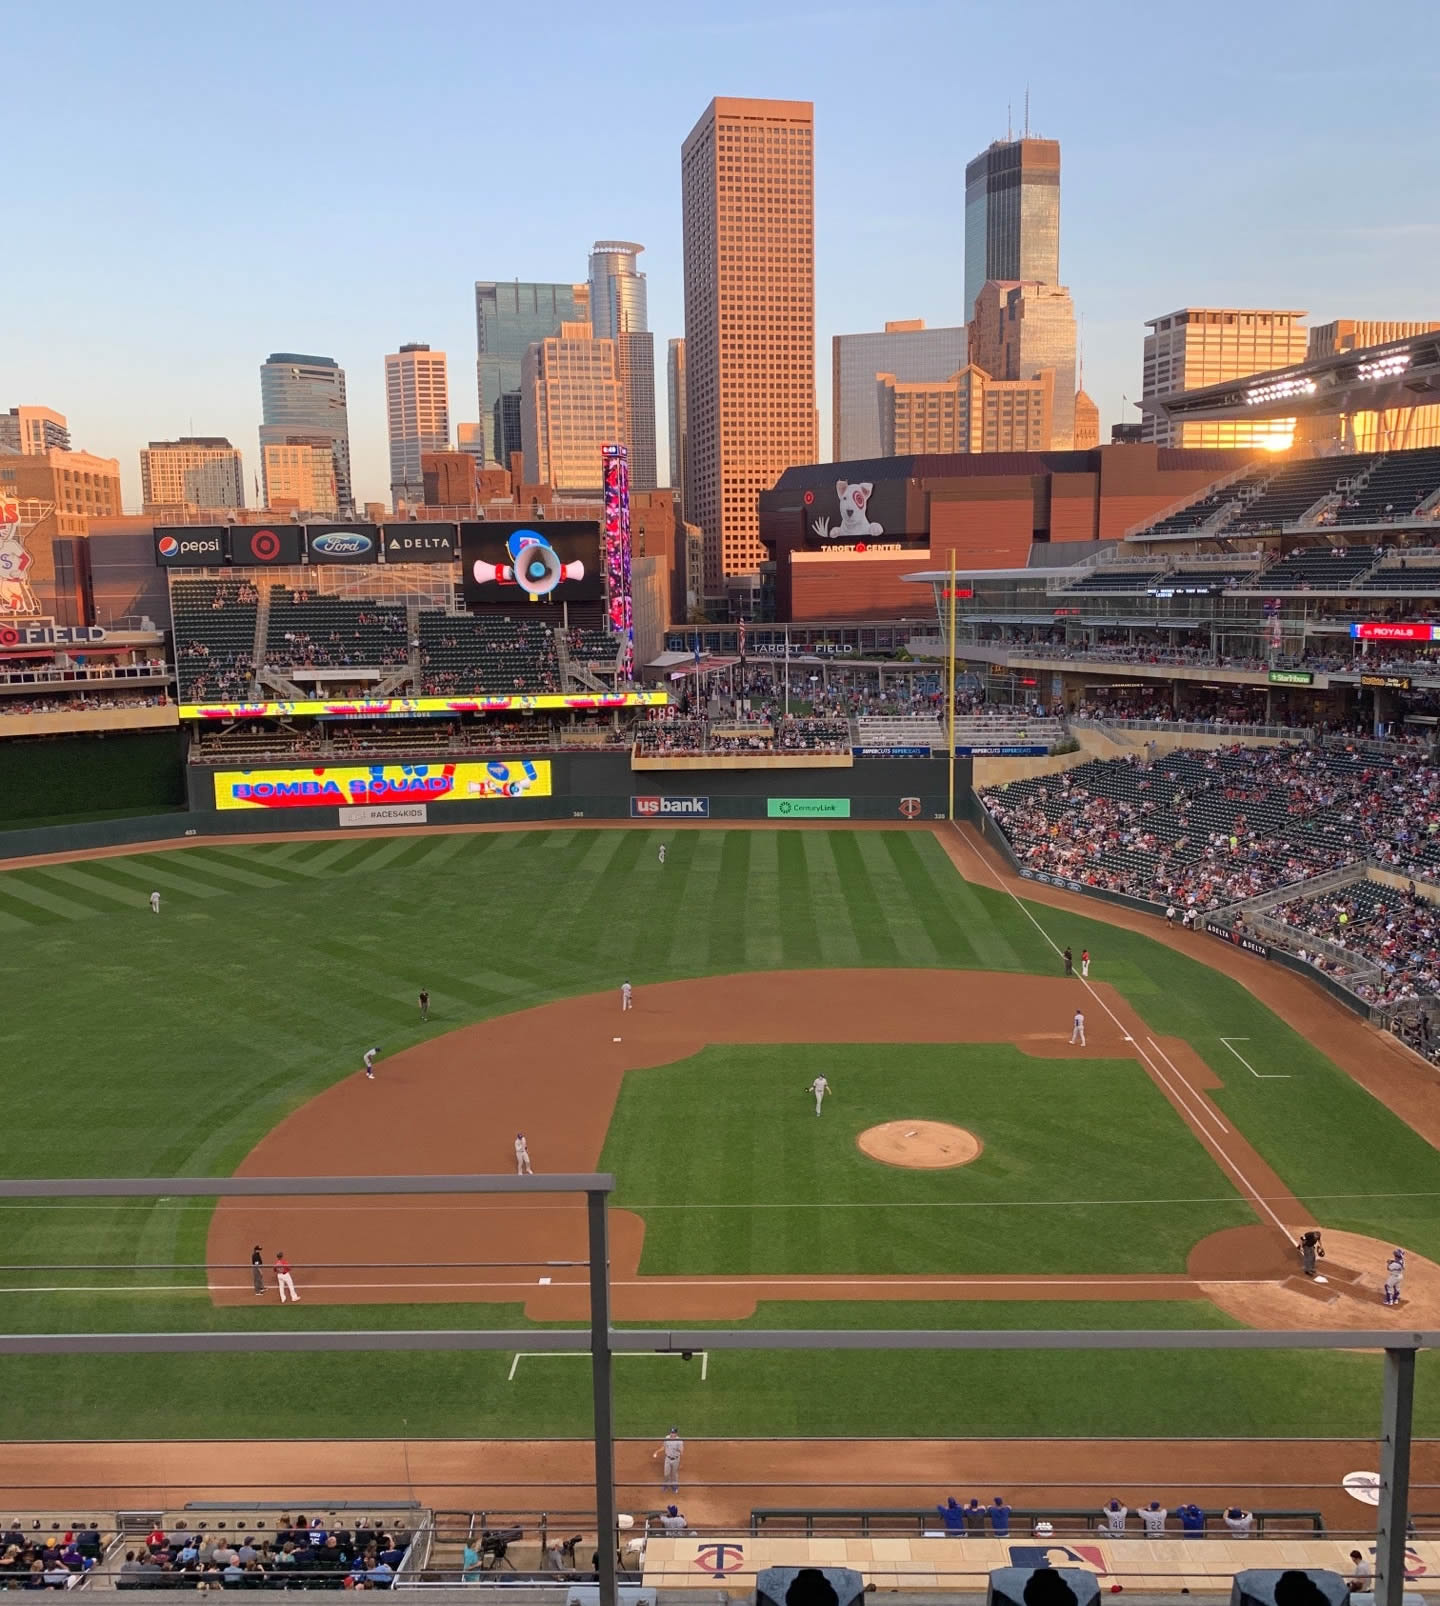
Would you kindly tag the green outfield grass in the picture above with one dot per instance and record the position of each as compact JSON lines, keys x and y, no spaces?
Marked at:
{"x":724,"y":1158}
{"x":169,"y":1046}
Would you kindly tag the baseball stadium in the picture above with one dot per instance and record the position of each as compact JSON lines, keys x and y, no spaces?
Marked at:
{"x":931,"y":1075}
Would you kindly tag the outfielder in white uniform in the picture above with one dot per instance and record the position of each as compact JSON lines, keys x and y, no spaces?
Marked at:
{"x":522,"y":1156}
{"x":1394,"y":1276}
{"x":154,"y":903}
{"x":1077,"y":1032}
{"x":662,"y":853}
{"x":626,"y":992}
{"x":819,"y":1087}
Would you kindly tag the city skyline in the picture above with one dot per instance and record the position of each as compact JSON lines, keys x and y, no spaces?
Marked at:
{"x":164,"y":342}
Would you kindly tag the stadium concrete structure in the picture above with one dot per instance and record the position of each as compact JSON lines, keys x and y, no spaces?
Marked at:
{"x":1183,"y":783}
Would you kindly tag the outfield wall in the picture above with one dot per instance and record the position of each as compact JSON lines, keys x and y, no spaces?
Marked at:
{"x":124,"y":770}
{"x":576,"y":786}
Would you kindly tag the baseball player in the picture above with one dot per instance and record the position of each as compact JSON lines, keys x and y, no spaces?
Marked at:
{"x":1069,"y":962}
{"x":1394,"y":1276}
{"x":662,"y":853}
{"x":257,"y":1269}
{"x":370,"y":1054}
{"x":819,"y":1087}
{"x":154,"y":903}
{"x":1085,"y":964}
{"x":626,"y":993}
{"x":1077,"y":1031}
{"x":283,"y":1279}
{"x":672,"y":1449}
{"x":424,"y":1004}
{"x":522,"y":1156}
{"x":1310,"y":1250}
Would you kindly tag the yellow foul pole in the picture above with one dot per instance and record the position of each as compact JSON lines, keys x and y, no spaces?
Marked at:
{"x":950,"y":687}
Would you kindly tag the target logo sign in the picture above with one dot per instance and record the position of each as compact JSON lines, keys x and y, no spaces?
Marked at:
{"x":9,"y":636}
{"x":265,"y":546}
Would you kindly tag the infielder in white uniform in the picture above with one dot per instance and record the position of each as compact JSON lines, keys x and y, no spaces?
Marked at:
{"x":370,"y":1054}
{"x":154,"y":903}
{"x":522,"y":1156}
{"x":672,"y":1449}
{"x":625,"y":995}
{"x":819,"y":1087}
{"x":1077,"y":1032}
{"x":1394,"y":1276}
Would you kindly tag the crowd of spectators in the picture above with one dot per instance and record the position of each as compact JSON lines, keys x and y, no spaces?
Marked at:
{"x":299,"y":1554}
{"x":669,"y":732}
{"x":50,"y":1559}
{"x":337,"y":651}
{"x":1203,"y":830}
{"x":1398,"y":932}
{"x":84,"y":702}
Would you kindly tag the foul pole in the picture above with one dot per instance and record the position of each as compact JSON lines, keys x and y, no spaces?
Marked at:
{"x":950,"y":688}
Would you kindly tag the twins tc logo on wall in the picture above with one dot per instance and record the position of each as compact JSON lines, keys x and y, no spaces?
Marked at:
{"x":720,"y":1560}
{"x":910,"y":808}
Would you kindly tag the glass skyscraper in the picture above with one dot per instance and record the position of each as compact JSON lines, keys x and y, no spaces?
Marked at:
{"x":302,"y":402}
{"x":618,"y":312}
{"x":907,"y":351}
{"x":1012,"y":215}
{"x":509,"y":319}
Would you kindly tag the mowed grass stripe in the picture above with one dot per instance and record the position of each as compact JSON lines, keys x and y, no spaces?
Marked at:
{"x":728,"y":924}
{"x":155,"y":874}
{"x":103,"y":895}
{"x":839,"y":943}
{"x":652,"y":943}
{"x":690,"y":943}
{"x":912,"y":941}
{"x":764,"y":923}
{"x":233,"y":871}
{"x":867,"y":912}
{"x":25,"y":887}
{"x":797,"y":913}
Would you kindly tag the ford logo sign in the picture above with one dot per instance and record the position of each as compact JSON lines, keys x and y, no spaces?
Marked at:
{"x":341,"y":544}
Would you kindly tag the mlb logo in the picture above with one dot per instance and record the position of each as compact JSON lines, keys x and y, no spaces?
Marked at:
{"x":1088,"y":1557}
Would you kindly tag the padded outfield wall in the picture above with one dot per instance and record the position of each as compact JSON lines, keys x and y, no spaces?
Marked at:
{"x":549,"y":786}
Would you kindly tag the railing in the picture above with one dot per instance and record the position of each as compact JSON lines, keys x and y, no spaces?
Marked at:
{"x":1199,"y":727}
{"x":83,"y":677}
{"x":930,"y":1520}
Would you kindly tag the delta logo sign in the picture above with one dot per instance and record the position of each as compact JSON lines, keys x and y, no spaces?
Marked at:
{"x":381,"y":783}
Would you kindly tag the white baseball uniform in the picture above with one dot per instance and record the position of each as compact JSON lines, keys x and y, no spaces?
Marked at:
{"x":370,"y":1054}
{"x":522,"y":1157}
{"x":625,"y":994}
{"x":819,"y":1087}
{"x":1394,"y":1276}
{"x":1077,"y":1033}
{"x":662,"y":853}
{"x":154,"y":903}
{"x":1085,"y":965}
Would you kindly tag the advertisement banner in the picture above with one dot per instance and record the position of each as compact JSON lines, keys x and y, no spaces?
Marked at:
{"x":548,"y":560}
{"x":1382,"y":630}
{"x":16,"y":597}
{"x":651,"y":808}
{"x":1290,"y":677}
{"x":343,"y":543}
{"x":412,"y":707}
{"x":891,"y":752}
{"x":265,"y":544}
{"x":190,"y":546}
{"x":421,"y":543}
{"x":807,"y":808}
{"x":1229,"y":934}
{"x":366,"y":785}
{"x":1388,"y":682}
{"x":1024,"y":750}
{"x":855,"y":513}
{"x":396,"y":814}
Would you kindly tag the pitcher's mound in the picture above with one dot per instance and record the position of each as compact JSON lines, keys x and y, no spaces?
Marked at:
{"x":921,"y":1145}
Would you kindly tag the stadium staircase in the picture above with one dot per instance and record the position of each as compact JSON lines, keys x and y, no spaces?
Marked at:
{"x":262,"y":630}
{"x":573,"y":676}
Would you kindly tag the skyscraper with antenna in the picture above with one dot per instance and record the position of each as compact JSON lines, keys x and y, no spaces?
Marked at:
{"x":1012,"y":212}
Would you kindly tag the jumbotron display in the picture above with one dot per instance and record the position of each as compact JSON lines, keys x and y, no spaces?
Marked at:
{"x":503,"y":564}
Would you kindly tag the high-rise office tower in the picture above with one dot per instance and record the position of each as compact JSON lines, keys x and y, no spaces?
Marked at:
{"x":34,"y":430}
{"x":1200,"y":346}
{"x":675,"y":389}
{"x":907,"y":351}
{"x":509,"y":319}
{"x":618,"y":312}
{"x":199,"y":471}
{"x":1087,"y":422}
{"x":417,"y":412}
{"x":299,"y":477}
{"x":1020,"y":331}
{"x":572,"y":405}
{"x":1012,"y":214}
{"x":968,"y":412}
{"x":302,"y":401}
{"x":748,"y":202}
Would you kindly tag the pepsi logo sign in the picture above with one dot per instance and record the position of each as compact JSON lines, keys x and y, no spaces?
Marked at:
{"x":169,"y":546}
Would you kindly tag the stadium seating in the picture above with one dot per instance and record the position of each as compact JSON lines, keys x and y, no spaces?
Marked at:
{"x":1385,"y":925}
{"x":1118,"y":577}
{"x":1317,"y":569}
{"x":1215,"y":828}
{"x":1404,"y":574}
{"x":592,"y":646}
{"x":269,"y":1553}
{"x":214,"y":624}
{"x":307,"y":631}
{"x":1293,"y":490}
{"x":480,"y":654}
{"x":882,"y":730}
{"x":1199,"y":512}
{"x":1396,"y":487}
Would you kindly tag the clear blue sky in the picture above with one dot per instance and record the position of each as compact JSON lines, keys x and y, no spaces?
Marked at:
{"x":193,"y":186}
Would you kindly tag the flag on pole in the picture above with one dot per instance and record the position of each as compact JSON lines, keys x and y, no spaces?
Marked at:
{"x":742,"y":638}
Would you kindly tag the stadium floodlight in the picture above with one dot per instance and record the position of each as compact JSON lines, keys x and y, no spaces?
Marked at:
{"x":1280,"y":390}
{"x":1385,"y":367}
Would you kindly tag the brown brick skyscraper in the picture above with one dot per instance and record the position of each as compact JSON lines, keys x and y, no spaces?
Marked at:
{"x":748,"y":197}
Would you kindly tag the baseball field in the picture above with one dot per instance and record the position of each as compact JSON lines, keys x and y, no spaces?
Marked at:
{"x":1149,"y":1179}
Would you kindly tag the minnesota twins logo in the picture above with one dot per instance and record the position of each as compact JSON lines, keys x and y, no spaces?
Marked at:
{"x":720,"y":1560}
{"x":910,"y":808}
